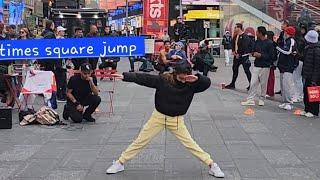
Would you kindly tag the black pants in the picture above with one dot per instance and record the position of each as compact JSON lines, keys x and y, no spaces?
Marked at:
{"x":235,"y":68}
{"x":139,"y":59}
{"x":202,"y":67}
{"x":61,"y":79}
{"x":312,"y":107}
{"x":92,"y":101}
{"x":162,"y":68}
{"x":108,"y":64}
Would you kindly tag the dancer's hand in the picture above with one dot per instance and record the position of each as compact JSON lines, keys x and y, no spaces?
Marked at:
{"x":191,"y":78}
{"x":118,"y":76}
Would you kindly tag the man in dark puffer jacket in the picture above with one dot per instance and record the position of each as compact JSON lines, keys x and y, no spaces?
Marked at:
{"x":311,"y":71}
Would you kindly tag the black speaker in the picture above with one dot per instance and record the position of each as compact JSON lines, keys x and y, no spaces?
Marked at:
{"x":5,"y":118}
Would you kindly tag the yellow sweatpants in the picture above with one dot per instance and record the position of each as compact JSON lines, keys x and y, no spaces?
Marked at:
{"x":154,"y":126}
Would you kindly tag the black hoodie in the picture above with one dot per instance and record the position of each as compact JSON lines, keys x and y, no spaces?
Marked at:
{"x":170,"y":99}
{"x":311,"y":64}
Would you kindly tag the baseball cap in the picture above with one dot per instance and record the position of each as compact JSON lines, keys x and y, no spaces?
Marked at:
{"x":60,"y":28}
{"x":291,"y":31}
{"x":86,"y":67}
{"x":183,"y":67}
{"x":180,"y":44}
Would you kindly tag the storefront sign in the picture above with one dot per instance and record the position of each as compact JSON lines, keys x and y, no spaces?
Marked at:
{"x":204,"y":14}
{"x":72,"y":48}
{"x":155,"y":15}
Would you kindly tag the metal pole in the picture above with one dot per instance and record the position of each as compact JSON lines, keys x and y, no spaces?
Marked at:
{"x":127,"y":17}
{"x":181,"y":11}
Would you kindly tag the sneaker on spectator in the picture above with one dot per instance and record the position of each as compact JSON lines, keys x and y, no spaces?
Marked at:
{"x":282,"y":105}
{"x":248,"y":103}
{"x":309,"y":115}
{"x":288,"y":107}
{"x":261,"y":102}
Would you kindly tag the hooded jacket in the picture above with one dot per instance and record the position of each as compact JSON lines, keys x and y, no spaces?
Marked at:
{"x":170,"y":99}
{"x":311,"y":64}
{"x":286,"y":61}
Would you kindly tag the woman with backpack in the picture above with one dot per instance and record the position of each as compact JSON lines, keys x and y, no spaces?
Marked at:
{"x":174,"y":94}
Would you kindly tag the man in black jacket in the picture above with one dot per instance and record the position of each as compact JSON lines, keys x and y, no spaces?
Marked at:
{"x":263,"y":52}
{"x":311,"y":72}
{"x":227,"y":46}
{"x":49,"y":65}
{"x":241,"y":47}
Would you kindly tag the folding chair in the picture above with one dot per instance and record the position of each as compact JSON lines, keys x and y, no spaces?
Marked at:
{"x":38,"y":83}
{"x":108,"y":74}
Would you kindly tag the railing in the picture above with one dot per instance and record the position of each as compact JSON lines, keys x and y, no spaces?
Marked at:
{"x":260,"y":11}
{"x":308,"y":9}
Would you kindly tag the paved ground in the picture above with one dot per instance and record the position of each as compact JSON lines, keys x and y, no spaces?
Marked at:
{"x":272,"y":144}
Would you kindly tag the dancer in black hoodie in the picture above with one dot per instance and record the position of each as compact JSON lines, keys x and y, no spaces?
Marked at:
{"x":174,"y":94}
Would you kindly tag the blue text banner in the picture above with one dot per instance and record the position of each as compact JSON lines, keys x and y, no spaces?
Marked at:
{"x":72,"y":48}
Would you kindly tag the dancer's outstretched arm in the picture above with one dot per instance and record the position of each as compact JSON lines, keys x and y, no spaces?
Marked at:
{"x":143,"y":79}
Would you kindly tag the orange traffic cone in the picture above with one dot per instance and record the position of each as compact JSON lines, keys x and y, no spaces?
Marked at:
{"x":249,"y":112}
{"x":297,"y":112}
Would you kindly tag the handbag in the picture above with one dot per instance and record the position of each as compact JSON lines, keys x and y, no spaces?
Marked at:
{"x":313,"y":93}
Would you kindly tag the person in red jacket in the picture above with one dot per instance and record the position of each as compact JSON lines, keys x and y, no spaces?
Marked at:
{"x":174,"y":94}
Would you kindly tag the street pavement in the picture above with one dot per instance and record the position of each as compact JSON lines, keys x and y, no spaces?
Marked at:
{"x":271,"y":144}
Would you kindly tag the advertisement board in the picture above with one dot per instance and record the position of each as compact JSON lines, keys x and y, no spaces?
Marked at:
{"x":155,"y":17}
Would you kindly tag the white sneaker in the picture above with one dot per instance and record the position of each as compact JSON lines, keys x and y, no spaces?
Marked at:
{"x":309,"y":115}
{"x":303,"y":113}
{"x":288,"y":107}
{"x":216,"y":171}
{"x":248,"y":103}
{"x":115,"y":168}
{"x":261,"y":103}
{"x":282,"y":105}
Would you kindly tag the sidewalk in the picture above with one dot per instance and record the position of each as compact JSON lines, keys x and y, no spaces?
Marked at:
{"x":272,"y":144}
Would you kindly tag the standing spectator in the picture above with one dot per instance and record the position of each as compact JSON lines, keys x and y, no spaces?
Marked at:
{"x":2,"y":33}
{"x":281,"y":39}
{"x":93,"y":61}
{"x":6,"y":96}
{"x":11,"y":32}
{"x":241,"y":47}
{"x":111,"y":62}
{"x":49,"y":34}
{"x":61,"y":71}
{"x":165,"y":36}
{"x":297,"y":73}
{"x":286,"y":66}
{"x":271,"y":79}
{"x":179,"y":29}
{"x":227,"y":45}
{"x":311,"y":72}
{"x":78,"y":33}
{"x":263,"y":52}
{"x":24,"y":34}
